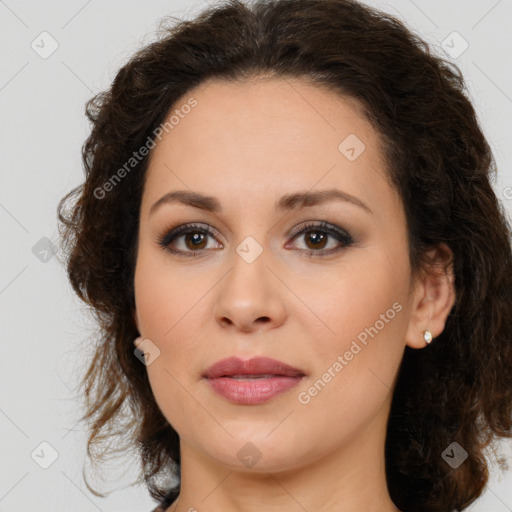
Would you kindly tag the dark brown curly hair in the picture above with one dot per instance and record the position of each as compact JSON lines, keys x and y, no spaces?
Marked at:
{"x":457,"y":389}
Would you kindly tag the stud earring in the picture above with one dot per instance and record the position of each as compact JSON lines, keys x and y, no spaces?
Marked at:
{"x":427,"y":336}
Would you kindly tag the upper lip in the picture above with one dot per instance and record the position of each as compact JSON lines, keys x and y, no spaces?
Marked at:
{"x":255,"y":366}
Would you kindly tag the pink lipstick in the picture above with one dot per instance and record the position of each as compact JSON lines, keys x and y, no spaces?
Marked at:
{"x":251,"y":382}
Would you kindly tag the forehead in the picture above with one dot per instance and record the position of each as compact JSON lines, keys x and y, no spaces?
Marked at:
{"x":262,"y":138}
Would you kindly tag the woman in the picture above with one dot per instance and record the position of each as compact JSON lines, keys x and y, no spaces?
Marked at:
{"x":301,"y":272}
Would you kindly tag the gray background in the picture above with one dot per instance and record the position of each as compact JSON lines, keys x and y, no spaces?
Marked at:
{"x":44,"y":329}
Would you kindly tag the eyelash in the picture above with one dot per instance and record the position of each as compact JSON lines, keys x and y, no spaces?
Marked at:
{"x":323,"y":227}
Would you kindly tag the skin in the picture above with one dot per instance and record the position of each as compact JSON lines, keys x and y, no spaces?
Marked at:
{"x":248,"y":144}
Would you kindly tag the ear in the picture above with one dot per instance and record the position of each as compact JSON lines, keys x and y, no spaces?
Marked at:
{"x":434,"y":297}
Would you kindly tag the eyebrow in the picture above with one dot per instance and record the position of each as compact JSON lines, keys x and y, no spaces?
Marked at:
{"x":286,"y":202}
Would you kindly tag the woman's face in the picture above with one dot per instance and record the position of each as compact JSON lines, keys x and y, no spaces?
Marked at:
{"x":333,"y":300}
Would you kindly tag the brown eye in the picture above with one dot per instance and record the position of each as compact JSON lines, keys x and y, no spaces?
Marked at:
{"x":316,"y":238}
{"x":195,"y":239}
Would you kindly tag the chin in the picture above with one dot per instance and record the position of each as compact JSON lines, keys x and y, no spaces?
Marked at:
{"x":258,"y":453}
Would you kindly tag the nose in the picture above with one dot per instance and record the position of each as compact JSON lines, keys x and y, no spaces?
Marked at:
{"x":250,"y":297}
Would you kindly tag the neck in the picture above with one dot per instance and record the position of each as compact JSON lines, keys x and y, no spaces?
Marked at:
{"x":351,"y":478}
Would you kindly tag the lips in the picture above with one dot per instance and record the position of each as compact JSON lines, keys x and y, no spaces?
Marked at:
{"x":258,"y":367}
{"x":251,"y":382}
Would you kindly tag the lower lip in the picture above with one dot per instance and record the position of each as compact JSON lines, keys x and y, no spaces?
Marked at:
{"x":250,"y":392}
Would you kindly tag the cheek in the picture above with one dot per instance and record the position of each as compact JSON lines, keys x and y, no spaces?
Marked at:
{"x":351,"y":298}
{"x":355,"y":367}
{"x":362,"y":320}
{"x":166,"y":305}
{"x":163,"y":297}
{"x":171,"y":308}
